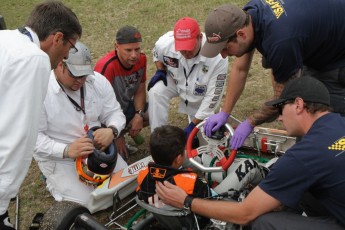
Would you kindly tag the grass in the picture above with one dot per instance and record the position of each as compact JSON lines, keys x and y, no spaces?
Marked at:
{"x":100,"y":20}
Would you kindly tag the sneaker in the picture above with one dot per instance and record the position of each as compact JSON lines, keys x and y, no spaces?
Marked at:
{"x":131,"y":149}
{"x":5,"y":223}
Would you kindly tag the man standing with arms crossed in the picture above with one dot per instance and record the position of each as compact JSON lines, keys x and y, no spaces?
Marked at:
{"x":27,"y":56}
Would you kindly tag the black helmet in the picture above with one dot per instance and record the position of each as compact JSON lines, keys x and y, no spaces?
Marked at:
{"x":99,"y":165}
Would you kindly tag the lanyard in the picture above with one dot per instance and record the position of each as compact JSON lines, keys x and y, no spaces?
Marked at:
{"x":78,"y":107}
{"x":187,"y":76}
{"x":24,"y":31}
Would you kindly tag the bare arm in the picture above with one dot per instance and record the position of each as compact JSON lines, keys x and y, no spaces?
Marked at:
{"x":160,"y":65}
{"x":269,"y":113}
{"x":139,"y":104}
{"x":237,"y":81}
{"x":257,"y":203}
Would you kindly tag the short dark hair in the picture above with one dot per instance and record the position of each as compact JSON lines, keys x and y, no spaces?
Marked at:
{"x":312,"y":107}
{"x":166,"y":143}
{"x":50,"y":17}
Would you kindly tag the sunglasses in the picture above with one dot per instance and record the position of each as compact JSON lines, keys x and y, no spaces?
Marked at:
{"x":281,"y":105}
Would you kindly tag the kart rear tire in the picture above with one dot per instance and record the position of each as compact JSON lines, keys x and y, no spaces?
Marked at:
{"x":61,"y":216}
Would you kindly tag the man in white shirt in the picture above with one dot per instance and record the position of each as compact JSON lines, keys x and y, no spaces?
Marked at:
{"x":183,"y":72}
{"x":27,"y":56}
{"x":77,"y":100}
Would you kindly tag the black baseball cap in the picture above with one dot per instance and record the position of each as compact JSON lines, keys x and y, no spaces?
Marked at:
{"x":308,"y":88}
{"x":128,"y":34}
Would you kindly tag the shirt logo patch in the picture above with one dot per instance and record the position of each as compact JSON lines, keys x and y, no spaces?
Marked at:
{"x":158,"y":172}
{"x":173,"y":62}
{"x":218,"y":91}
{"x":199,"y":90}
{"x":205,"y":69}
{"x":276,"y":7}
{"x":221,"y":77}
{"x":215,"y":98}
{"x":219,"y":83}
{"x":339,"y":145}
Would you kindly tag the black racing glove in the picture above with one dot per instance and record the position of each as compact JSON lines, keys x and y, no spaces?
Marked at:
{"x":159,"y":75}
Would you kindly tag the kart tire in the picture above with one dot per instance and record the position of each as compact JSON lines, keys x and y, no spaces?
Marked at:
{"x":61,"y":215}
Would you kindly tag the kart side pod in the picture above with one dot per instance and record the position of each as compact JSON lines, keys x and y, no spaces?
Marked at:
{"x":122,"y":183}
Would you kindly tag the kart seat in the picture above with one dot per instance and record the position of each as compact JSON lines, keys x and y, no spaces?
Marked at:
{"x":170,"y":217}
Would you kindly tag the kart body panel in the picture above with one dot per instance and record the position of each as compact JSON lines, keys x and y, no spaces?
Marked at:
{"x":122,"y":183}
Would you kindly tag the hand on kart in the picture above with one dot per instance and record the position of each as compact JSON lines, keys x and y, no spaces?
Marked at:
{"x":171,"y":194}
{"x":189,"y":129}
{"x":160,"y":75}
{"x":81,"y":147}
{"x":102,"y":138}
{"x":241,"y":133}
{"x":121,"y":147}
{"x":214,"y":122}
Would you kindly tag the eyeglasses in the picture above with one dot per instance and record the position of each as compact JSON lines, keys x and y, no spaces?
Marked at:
{"x":73,"y":49}
{"x":281,"y":105}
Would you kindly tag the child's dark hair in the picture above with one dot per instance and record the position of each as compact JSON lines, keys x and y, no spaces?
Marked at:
{"x":166,"y":143}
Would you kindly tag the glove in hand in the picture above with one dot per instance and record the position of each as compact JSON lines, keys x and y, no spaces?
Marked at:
{"x":160,"y":75}
{"x":189,"y":129}
{"x":214,"y":122}
{"x":241,"y":133}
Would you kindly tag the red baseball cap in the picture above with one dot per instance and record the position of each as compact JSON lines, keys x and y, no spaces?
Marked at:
{"x":186,"y":31}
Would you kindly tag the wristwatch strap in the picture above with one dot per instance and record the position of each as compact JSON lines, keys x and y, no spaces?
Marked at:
{"x":115,"y":131}
{"x":187,"y":204}
{"x":140,"y":112}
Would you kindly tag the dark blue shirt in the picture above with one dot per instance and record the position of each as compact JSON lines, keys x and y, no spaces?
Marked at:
{"x":316,"y":164}
{"x":293,"y":33}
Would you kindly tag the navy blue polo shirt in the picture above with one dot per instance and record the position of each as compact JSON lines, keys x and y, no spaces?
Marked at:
{"x":293,"y":33}
{"x":316,"y":164}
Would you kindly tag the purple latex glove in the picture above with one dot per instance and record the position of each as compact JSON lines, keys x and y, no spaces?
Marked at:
{"x":214,"y":122}
{"x":241,"y":133}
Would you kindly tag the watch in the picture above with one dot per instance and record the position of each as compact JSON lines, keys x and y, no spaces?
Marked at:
{"x":187,"y":204}
{"x":140,"y":112}
{"x":115,"y":132}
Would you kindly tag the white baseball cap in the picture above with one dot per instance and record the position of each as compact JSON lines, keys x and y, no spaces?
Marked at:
{"x":79,"y":63}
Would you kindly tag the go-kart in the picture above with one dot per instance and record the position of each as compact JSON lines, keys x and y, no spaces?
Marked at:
{"x":226,"y":172}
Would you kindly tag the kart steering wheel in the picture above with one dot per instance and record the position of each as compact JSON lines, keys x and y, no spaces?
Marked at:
{"x":219,"y":140}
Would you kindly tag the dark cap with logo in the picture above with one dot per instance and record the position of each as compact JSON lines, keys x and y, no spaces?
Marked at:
{"x":128,"y":34}
{"x":221,"y":24}
{"x":308,"y":88}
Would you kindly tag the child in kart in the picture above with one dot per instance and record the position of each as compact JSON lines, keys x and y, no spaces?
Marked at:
{"x":167,"y":147}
